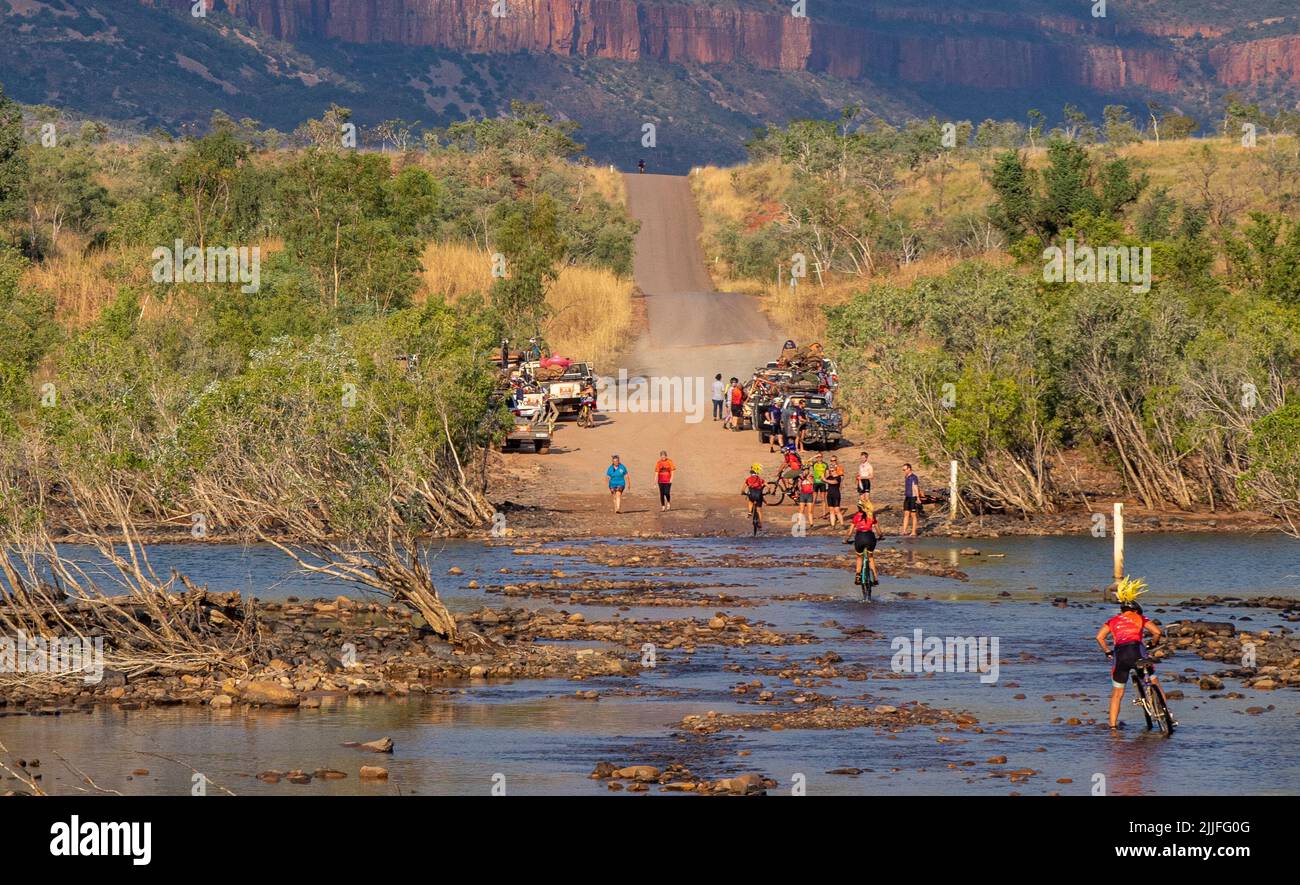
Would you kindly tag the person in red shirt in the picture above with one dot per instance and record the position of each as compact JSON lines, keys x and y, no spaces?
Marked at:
{"x":864,"y":532}
{"x":753,"y":492}
{"x":665,"y":469}
{"x":1127,"y":629}
{"x":806,"y":489}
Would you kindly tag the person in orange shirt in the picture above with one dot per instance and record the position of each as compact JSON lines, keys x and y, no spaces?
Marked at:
{"x":665,"y":469}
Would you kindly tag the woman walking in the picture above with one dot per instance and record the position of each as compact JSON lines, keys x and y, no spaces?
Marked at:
{"x":665,"y":469}
{"x":616,"y":473}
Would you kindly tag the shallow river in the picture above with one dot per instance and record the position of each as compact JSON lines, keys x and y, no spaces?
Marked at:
{"x":544,"y":740}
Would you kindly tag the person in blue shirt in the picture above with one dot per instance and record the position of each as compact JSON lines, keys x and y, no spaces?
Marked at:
{"x":911,"y":499}
{"x":617,"y":475}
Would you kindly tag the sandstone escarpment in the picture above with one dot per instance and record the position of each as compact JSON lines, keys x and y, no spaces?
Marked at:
{"x":922,"y":45}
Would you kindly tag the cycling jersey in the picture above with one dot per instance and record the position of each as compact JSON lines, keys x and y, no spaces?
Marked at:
{"x":863,"y":523}
{"x":1127,"y":627}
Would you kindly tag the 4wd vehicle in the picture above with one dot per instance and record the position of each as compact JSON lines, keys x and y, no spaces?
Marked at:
{"x":564,"y":388}
{"x":538,"y":432}
{"x":825,"y":427}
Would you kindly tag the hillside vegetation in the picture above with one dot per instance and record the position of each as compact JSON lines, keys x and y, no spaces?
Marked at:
{"x":250,"y":324}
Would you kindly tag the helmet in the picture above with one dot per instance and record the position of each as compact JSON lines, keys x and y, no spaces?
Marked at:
{"x":1127,"y":592}
{"x":755,"y":467}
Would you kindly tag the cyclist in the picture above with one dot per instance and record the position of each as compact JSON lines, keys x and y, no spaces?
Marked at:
{"x":862,"y":532}
{"x":1126,"y":629}
{"x":792,"y":464}
{"x":587,"y":405}
{"x":753,"y":491}
{"x":640,"y":165}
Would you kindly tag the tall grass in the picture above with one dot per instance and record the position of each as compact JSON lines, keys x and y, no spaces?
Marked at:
{"x":591,"y":316}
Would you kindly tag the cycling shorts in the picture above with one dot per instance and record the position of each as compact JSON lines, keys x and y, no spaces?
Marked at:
{"x":1126,"y":657}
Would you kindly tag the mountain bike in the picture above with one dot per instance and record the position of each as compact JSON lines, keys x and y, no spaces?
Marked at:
{"x":1151,"y":698}
{"x":586,"y":416}
{"x":776,"y":491}
{"x":864,"y":577}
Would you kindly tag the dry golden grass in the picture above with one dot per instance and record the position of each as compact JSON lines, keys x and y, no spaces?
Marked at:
{"x":609,"y":184}
{"x":83,"y":282}
{"x":80,"y":283}
{"x":454,"y":270}
{"x":591,"y":309}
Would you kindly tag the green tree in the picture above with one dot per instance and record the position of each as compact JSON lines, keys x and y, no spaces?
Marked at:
{"x":13,"y":161}
{"x":529,"y":238}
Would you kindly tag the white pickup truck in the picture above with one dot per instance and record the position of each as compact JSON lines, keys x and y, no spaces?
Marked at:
{"x":565,"y":392}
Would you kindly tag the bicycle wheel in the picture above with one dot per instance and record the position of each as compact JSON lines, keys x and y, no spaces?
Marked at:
{"x":1142,"y":699}
{"x":1163,"y":717}
{"x":773,"y":493}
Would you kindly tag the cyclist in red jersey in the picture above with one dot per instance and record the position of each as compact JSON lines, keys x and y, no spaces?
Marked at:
{"x":1127,"y":630}
{"x":753,"y":491}
{"x":864,"y":531}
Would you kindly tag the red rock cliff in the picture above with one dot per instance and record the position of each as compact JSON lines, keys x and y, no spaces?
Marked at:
{"x":915,"y":45}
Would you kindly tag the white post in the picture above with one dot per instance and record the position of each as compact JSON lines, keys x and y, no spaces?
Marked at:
{"x":952,"y":490}
{"x":1119,"y":541}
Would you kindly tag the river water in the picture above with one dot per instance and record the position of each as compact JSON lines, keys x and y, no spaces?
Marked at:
{"x":536,"y":737}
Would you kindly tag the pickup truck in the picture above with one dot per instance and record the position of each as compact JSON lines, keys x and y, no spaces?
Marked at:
{"x":565,"y":392}
{"x":825,"y":425}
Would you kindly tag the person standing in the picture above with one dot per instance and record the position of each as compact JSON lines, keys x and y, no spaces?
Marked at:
{"x":718,"y":393}
{"x":819,"y":481}
{"x":665,"y":469}
{"x":737,"y":404}
{"x":911,"y":499}
{"x":776,"y":439}
{"x":616,"y":473}
{"x":726,"y":395}
{"x":834,"y":486}
{"x":805,"y":488}
{"x":866,"y":473}
{"x":799,"y":424}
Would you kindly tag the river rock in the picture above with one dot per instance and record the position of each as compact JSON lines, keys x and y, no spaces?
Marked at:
{"x":383,"y":745}
{"x":270,"y":694}
{"x":642,"y":773}
{"x":373,"y":773}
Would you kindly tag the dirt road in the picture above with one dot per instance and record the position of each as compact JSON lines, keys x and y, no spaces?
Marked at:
{"x":692,"y":333}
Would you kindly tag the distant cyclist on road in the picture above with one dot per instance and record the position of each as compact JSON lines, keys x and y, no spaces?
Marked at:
{"x":1127,"y":630}
{"x":641,"y":166}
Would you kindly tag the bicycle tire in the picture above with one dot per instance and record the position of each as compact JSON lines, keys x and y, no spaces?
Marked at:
{"x":773,"y":494}
{"x":1163,"y":717}
{"x":1142,"y":700}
